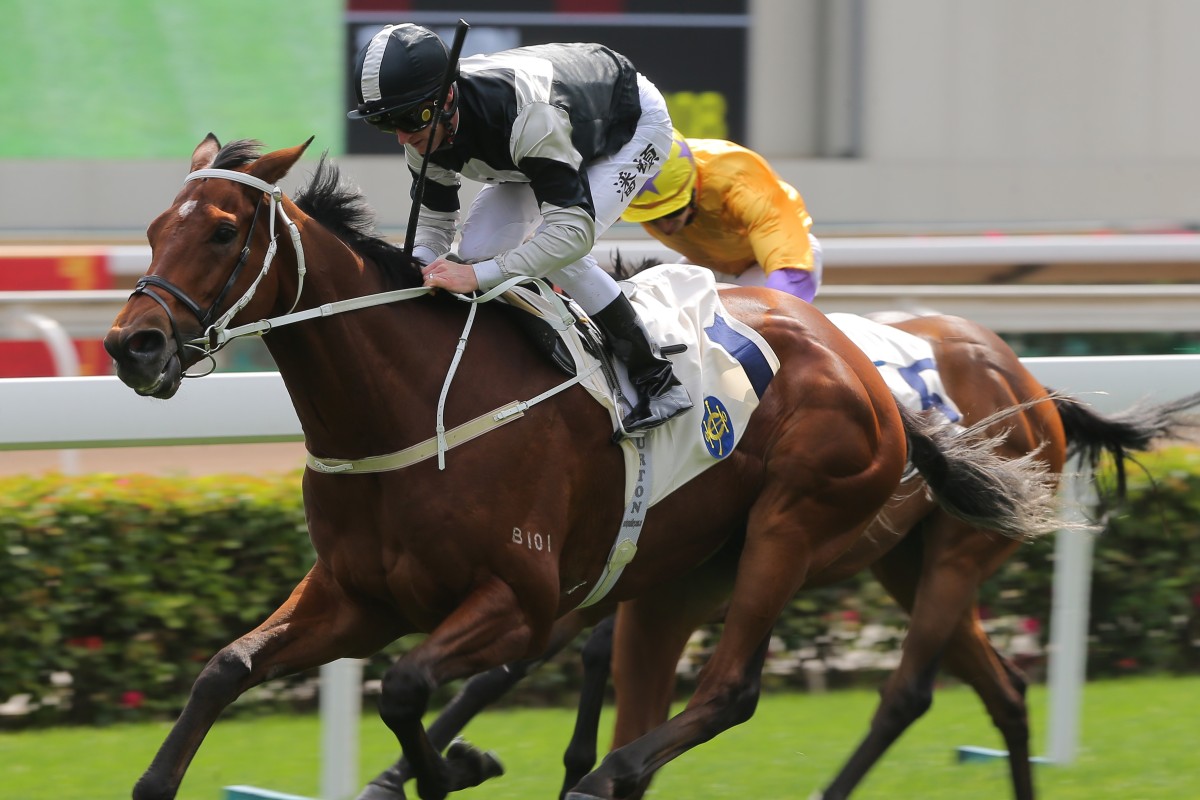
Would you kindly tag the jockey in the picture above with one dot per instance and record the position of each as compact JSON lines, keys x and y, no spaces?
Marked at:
{"x":563,"y":136}
{"x":722,"y":206}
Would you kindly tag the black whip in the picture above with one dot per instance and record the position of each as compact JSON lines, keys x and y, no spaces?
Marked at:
{"x":460,"y":34}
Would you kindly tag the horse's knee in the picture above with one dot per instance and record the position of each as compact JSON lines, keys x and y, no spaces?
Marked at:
{"x":223,"y":677}
{"x":1010,"y":715}
{"x":1016,"y":678}
{"x":904,"y":703}
{"x":744,"y":702}
{"x":404,"y":692}
{"x":733,"y":704}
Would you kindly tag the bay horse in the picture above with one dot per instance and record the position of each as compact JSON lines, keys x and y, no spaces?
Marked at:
{"x":443,"y":551}
{"x":931,"y":563}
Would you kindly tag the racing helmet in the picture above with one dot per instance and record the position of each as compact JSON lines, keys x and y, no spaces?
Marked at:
{"x":668,"y":191}
{"x":400,"y":68}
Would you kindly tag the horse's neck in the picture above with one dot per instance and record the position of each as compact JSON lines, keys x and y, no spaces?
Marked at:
{"x":363,"y":381}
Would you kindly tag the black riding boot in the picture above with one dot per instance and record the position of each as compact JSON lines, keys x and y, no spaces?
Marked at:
{"x":660,"y":395}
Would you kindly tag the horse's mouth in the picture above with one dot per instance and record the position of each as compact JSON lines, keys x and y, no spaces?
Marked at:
{"x":166,"y":384}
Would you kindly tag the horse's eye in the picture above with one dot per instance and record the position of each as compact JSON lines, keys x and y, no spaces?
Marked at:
{"x":224,"y":233}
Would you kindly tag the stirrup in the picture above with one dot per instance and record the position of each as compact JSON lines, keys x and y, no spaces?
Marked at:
{"x":651,"y":413}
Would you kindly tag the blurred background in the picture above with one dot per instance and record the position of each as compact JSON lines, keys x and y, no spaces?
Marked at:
{"x":1032,"y":165}
{"x":1067,"y":121}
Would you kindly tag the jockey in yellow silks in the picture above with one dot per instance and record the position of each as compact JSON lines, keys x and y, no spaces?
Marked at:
{"x":722,"y":206}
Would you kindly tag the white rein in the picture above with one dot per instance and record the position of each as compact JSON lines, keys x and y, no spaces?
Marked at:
{"x":219,"y":334}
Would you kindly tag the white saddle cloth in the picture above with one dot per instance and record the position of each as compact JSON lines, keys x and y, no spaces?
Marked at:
{"x":905,"y":361}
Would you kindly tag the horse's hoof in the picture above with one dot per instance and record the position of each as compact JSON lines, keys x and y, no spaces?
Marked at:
{"x":581,"y":796}
{"x":470,"y":766}
{"x":373,"y":791}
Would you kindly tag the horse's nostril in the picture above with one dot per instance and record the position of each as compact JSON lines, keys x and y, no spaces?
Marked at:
{"x":146,"y":343}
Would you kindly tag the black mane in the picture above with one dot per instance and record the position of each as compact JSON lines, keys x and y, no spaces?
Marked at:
{"x":339,"y":207}
{"x":342,"y":209}
{"x":623,"y":272}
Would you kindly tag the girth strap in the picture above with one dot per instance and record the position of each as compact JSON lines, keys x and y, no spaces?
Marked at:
{"x":436,"y":445}
{"x":419,"y":452}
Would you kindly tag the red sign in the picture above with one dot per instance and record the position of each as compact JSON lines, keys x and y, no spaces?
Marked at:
{"x":32,"y":359}
{"x":55,"y":269}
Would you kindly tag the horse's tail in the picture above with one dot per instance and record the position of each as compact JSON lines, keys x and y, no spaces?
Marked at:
{"x":1012,"y":496}
{"x":1091,"y":434}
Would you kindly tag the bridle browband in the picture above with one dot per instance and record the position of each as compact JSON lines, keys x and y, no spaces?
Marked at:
{"x":215,"y":337}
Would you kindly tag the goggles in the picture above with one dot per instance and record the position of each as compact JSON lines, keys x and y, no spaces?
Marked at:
{"x":408,"y":120}
{"x":677,"y":212}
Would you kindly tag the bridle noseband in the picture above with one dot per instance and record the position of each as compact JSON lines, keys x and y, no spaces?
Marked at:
{"x":214,"y":329}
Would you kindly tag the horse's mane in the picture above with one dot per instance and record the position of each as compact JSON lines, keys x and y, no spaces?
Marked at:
{"x":339,"y":207}
{"x":622,"y":271}
{"x":238,"y":154}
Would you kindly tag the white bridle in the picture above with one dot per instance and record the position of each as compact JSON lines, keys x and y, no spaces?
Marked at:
{"x":219,"y":334}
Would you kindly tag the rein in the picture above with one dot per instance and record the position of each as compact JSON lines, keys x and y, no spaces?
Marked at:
{"x":218,"y":334}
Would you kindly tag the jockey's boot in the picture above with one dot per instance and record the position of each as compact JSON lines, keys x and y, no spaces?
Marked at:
{"x":660,"y":395}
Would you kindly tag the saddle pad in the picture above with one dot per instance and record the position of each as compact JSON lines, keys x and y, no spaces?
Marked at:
{"x":905,"y":361}
{"x":726,"y":368}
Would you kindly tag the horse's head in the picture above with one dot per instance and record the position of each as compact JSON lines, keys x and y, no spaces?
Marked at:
{"x":207,"y":255}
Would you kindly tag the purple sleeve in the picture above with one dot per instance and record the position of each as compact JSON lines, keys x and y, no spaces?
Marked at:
{"x":793,"y":281}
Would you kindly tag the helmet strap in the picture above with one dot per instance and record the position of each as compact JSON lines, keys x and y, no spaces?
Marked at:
{"x":448,"y":114}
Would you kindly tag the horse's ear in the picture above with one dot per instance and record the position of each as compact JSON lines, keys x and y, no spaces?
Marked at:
{"x":205,"y":152}
{"x":273,"y":166}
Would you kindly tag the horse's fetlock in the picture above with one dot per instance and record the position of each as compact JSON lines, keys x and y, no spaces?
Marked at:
{"x":579,"y":758}
{"x":153,"y":788}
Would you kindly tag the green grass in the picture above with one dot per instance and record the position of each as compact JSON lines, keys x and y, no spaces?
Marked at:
{"x":147,"y":79}
{"x":1139,"y":742}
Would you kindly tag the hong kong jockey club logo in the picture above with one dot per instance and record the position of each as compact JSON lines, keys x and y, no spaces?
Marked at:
{"x":716,"y":428}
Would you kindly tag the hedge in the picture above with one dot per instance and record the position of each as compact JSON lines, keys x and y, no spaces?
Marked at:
{"x":117,"y":590}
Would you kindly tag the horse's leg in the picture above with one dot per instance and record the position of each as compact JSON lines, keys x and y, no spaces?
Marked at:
{"x":317,"y":624}
{"x":489,"y":627}
{"x":933,"y":574}
{"x":790,"y":528}
{"x":651,"y":633}
{"x":1001,"y":687}
{"x":477,"y":694}
{"x":643,"y":652}
{"x":580,"y":755}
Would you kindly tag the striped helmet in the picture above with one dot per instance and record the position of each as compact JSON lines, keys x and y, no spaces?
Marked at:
{"x":668,"y":191}
{"x":402,"y":66}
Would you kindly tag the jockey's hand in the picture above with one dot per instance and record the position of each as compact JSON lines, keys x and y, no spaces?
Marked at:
{"x":451,"y":276}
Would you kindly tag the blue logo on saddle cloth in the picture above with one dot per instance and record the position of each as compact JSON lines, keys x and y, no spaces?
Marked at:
{"x":716,"y":428}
